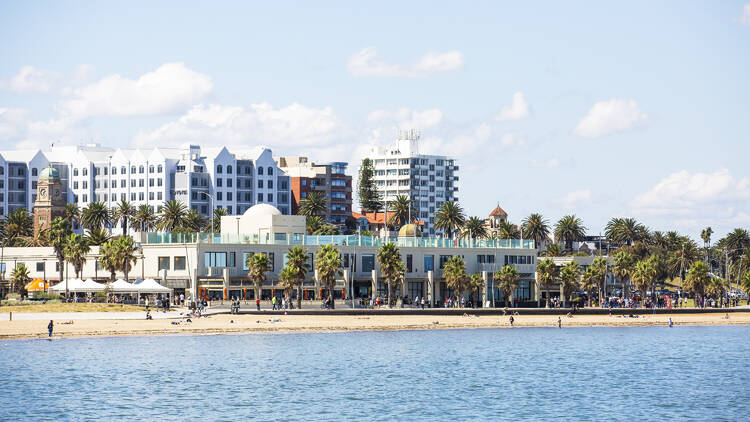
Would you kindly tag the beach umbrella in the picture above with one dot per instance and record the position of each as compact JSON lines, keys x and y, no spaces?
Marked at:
{"x":36,"y":285}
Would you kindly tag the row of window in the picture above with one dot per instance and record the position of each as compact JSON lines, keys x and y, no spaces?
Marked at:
{"x":123,"y":170}
{"x":123,"y":183}
{"x":165,"y":261}
{"x":141,"y":196}
{"x":220,"y":170}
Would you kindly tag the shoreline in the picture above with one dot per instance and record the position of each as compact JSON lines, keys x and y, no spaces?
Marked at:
{"x":70,"y":327}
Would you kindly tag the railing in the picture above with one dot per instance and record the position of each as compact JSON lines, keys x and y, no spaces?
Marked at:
{"x":341,"y":240}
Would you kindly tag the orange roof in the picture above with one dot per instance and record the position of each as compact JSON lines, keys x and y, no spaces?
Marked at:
{"x":498,"y":212}
{"x":376,"y":217}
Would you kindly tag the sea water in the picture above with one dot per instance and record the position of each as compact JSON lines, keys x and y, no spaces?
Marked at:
{"x":624,"y":374}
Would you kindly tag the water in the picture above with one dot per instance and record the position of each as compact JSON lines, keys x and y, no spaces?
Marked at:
{"x":648,"y":373}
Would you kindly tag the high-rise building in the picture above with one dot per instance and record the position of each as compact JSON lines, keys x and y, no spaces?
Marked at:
{"x":329,"y":179}
{"x":429,"y":180}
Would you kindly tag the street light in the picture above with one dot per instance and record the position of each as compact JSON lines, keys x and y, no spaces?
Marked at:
{"x":212,"y":211}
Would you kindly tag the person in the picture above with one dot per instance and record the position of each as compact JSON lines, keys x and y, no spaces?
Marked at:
{"x":559,"y":322}
{"x":511,"y":320}
{"x":257,"y":303}
{"x":670,"y":322}
{"x":50,"y":327}
{"x":422,"y":302}
{"x":148,"y":315}
{"x":147,"y":303}
{"x":273,"y":303}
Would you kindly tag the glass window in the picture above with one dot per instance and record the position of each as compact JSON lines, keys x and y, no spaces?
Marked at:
{"x":40,"y":266}
{"x":163,"y":263}
{"x":218,"y":169}
{"x":218,"y":182}
{"x":409,"y":260}
{"x":443,"y":260}
{"x":260,"y":170}
{"x":270,"y":197}
{"x":229,"y":169}
{"x":429,"y":263}
{"x":179,"y":263}
{"x":215,"y":259}
{"x":159,"y":168}
{"x":270,"y":171}
{"x":368,"y":263}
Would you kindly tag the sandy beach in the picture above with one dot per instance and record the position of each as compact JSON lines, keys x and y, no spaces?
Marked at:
{"x":69,"y":326}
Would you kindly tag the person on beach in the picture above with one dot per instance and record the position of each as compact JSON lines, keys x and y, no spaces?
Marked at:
{"x":50,"y":327}
{"x":511,"y":320}
{"x":559,"y":322}
{"x":670,"y":322}
{"x":423,"y":302}
{"x":257,"y":303}
{"x":273,"y":303}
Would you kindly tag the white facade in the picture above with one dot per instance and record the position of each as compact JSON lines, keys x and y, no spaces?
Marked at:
{"x":429,"y":180}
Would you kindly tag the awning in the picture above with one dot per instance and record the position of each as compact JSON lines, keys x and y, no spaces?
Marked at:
{"x":37,"y":285}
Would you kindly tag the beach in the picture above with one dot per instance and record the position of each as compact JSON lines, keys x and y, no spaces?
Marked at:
{"x":68,"y":325}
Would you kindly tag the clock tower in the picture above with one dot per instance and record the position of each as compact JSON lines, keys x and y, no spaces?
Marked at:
{"x":50,"y":203}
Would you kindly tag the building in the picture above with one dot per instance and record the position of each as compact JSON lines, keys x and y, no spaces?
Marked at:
{"x":201,"y":180}
{"x":199,"y":264}
{"x":497,"y":217}
{"x":50,"y":203}
{"x":429,"y":180}
{"x":329,"y":179}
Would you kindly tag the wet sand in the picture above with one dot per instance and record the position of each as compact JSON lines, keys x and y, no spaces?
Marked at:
{"x":69,"y":326}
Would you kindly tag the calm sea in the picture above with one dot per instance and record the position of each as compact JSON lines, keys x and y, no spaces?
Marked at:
{"x":624,"y":374}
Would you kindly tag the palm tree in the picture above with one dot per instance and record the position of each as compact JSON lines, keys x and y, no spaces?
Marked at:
{"x":144,"y":220}
{"x":328,"y":262}
{"x":97,"y":236}
{"x":172,"y":216}
{"x":287,"y":282}
{"x":570,"y":277}
{"x":389,"y":260}
{"x":72,"y":214}
{"x":553,"y":249}
{"x":476,"y":284}
{"x":745,"y":283}
{"x":625,"y":231}
{"x":697,"y":279}
{"x":109,"y":258}
{"x":682,"y":257}
{"x":127,"y":254}
{"x":123,"y":212}
{"x":599,"y":269}
{"x":454,"y":273}
{"x":75,"y":252}
{"x":506,"y":230}
{"x":623,"y":268}
{"x":314,"y":224}
{"x":218,"y":213}
{"x":717,"y":287}
{"x":570,"y":229}
{"x":257,"y":266}
{"x":401,"y":209}
{"x":193,"y":222}
{"x":38,"y":238}
{"x":706,"y":236}
{"x":643,"y":275}
{"x":508,"y":280}
{"x":589,"y":281}
{"x":474,"y":228}
{"x":17,"y":225}
{"x":19,"y":278}
{"x":546,"y":274}
{"x":95,"y":216}
{"x":536,"y":227}
{"x":297,"y":261}
{"x":58,"y":235}
{"x":449,"y":217}
{"x":313,"y":204}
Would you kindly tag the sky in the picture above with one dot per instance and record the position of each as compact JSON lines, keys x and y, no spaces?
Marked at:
{"x":599,"y":109}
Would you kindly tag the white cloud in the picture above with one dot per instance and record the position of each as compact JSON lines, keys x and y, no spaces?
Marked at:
{"x":550,"y":163}
{"x":367,"y":63}
{"x":237,"y":127}
{"x":576,"y":198}
{"x":745,"y":15}
{"x":509,"y":140}
{"x":30,"y":79}
{"x":518,"y":109}
{"x":607,"y":117}
{"x":406,"y":118}
{"x":169,"y":88}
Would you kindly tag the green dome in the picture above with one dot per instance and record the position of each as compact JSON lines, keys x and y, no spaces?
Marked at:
{"x":409,"y":230}
{"x":49,"y":173}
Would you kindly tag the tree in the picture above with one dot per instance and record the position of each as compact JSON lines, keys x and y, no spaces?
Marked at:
{"x":536,"y":227}
{"x":697,"y":280}
{"x":19,"y":277}
{"x":589,"y":281}
{"x":553,"y":250}
{"x":297,"y":261}
{"x":123,"y":212}
{"x":507,"y":279}
{"x":474,"y":228}
{"x":546,"y":274}
{"x":717,"y":287}
{"x":570,"y":229}
{"x":449,"y":217}
{"x":623,"y":268}
{"x":328,"y":262}
{"x":369,"y":198}
{"x":684,"y":252}
{"x":218,"y":213}
{"x":506,"y":230}
{"x":127,"y":254}
{"x":17,"y":225}
{"x":599,"y":268}
{"x":745,"y":282}
{"x":95,"y":216}
{"x":286,"y":282}
{"x":643,"y":274}
{"x":314,"y":204}
{"x":144,"y":219}
{"x":193,"y":222}
{"x":401,"y":209}
{"x":257,"y":266}
{"x":76,"y":249}
{"x":570,"y":277}
{"x":454,"y":273}
{"x":72,"y":214}
{"x":706,"y":236}
{"x":314,"y":224}
{"x":172,"y":216}
{"x":389,"y":260}
{"x":58,"y":236}
{"x":109,"y":258}
{"x":625,"y":231}
{"x":476,"y":283}
{"x":97,"y":236}
{"x":36,"y":239}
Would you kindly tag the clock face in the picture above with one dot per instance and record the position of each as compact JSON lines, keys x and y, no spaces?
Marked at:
{"x":43,"y":193}
{"x":57,"y":193}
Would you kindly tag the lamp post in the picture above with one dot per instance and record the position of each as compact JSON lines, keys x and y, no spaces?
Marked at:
{"x":212,"y":211}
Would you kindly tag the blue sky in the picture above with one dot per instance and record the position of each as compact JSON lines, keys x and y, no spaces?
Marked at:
{"x":636,"y":109}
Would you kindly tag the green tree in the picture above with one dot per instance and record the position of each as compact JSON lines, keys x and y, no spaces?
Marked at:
{"x":128,"y":253}
{"x":589,"y":282}
{"x":314,"y":224}
{"x":546,"y":275}
{"x":535,"y":227}
{"x":625,"y":231}
{"x":476,"y":284}
{"x":193,"y":222}
{"x":570,"y":229}
{"x":109,"y":258}
{"x":474,"y":228}
{"x":643,"y":275}
{"x":218,"y":213}
{"x":17,"y":225}
{"x":76,"y":249}
{"x":369,"y":198}
{"x":257,"y":266}
{"x":72,"y":214}
{"x":706,"y":237}
{"x":172,"y":216}
{"x":329,"y":264}
{"x":314,"y":204}
{"x":599,"y":269}
{"x":570,"y":278}
{"x":144,"y":219}
{"x":697,"y":279}
{"x":97,"y":236}
{"x":553,"y":250}
{"x":58,"y":235}
{"x":95,"y":216}
{"x":623,"y":269}
{"x":401,"y":209}
{"x":454,"y":273}
{"x":717,"y":287}
{"x":286,"y":282}
{"x":389,"y":260}
{"x":507,"y":279}
{"x":297,"y":261}
{"x":123,"y":213}
{"x":507,"y":230}
{"x":19,"y":278}
{"x":449,"y":217}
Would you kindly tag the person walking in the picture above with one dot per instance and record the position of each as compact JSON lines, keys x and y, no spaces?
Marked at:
{"x":50,"y":327}
{"x":559,"y":322}
{"x":422,"y":302}
{"x":511,"y":320}
{"x":273,"y":303}
{"x":257,"y":303}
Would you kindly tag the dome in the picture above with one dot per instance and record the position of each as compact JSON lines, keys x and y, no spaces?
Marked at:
{"x":409,"y":230}
{"x":260,"y":210}
{"x":49,"y":173}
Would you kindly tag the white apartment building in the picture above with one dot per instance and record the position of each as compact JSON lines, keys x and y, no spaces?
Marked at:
{"x":429,"y":180}
{"x":91,"y":173}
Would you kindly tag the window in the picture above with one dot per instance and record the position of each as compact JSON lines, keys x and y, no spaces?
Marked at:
{"x":304,"y":182}
{"x":158,"y":196}
{"x":141,"y":196}
{"x":270,"y":197}
{"x":150,"y":169}
{"x":368,"y":263}
{"x":114,"y":170}
{"x":75,"y":172}
{"x":270,"y":171}
{"x":163,"y":263}
{"x":179,"y":263}
{"x":229,"y":169}
{"x":215,"y":259}
{"x":218,"y":169}
{"x":151,"y":182}
{"x":229,"y":183}
{"x":260,"y":170}
{"x":85,"y":198}
{"x":140,"y":183}
{"x":260,"y":197}
{"x":132,"y":196}
{"x":159,"y":170}
{"x":132,"y":169}
{"x":260,"y":184}
{"x":443,"y":260}
{"x":33,"y":171}
{"x":338,"y":195}
{"x":429,"y":263}
{"x":284,"y":185}
{"x":40,"y":266}
{"x":229,"y":197}
{"x":75,"y":185}
{"x":85,"y":171}
{"x":158,"y":182}
{"x":150,"y":196}
{"x":409,"y":260}
{"x":218,"y":182}
{"x":270,"y":184}
{"x":338,"y":182}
